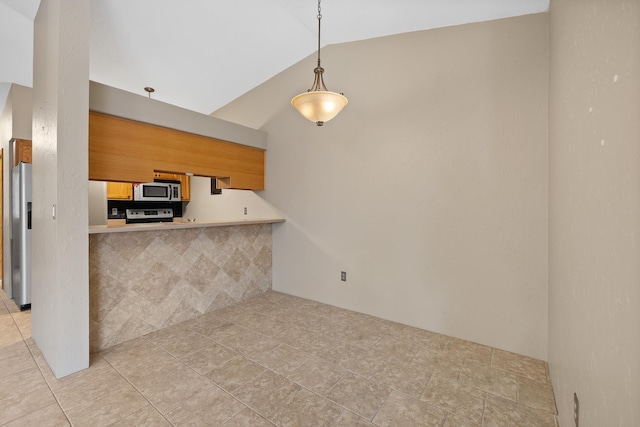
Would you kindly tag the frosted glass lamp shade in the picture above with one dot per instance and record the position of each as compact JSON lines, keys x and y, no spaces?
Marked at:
{"x":319,"y":106}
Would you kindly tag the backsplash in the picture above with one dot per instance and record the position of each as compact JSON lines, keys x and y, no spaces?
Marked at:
{"x":146,"y":280}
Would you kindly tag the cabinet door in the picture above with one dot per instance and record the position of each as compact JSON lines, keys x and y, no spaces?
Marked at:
{"x":185,"y":187}
{"x":127,"y":150}
{"x":21,"y":151}
{"x":119,"y":191}
{"x":185,"y":190}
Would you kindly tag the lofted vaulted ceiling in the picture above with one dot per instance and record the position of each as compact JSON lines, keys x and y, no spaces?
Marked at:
{"x":202,"y":54}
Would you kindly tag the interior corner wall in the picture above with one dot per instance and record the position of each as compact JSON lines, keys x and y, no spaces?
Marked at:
{"x":429,"y":189}
{"x":22,"y":110}
{"x":60,"y":241}
{"x":6,"y":134}
{"x":594,"y":210}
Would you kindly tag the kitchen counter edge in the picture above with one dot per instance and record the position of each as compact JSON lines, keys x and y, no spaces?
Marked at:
{"x":157,"y":226}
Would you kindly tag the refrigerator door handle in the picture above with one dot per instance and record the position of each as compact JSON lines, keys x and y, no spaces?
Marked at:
{"x":28,"y":215}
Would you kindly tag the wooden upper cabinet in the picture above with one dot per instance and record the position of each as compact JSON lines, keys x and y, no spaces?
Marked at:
{"x":119,"y":191}
{"x":21,"y":151}
{"x":125,"y":150}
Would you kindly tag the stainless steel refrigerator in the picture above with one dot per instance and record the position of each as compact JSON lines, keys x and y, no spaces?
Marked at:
{"x":21,"y":235}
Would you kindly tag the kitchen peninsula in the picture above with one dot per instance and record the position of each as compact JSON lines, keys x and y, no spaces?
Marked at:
{"x":143,"y":277}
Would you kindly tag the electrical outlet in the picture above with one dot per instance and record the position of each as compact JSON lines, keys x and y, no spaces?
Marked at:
{"x":576,"y":409}
{"x":343,"y":276}
{"x":245,"y":210}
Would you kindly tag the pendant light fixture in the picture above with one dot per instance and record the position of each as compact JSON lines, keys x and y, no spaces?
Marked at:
{"x":318,"y":104}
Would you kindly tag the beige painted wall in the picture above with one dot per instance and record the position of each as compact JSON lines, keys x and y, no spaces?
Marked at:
{"x":16,"y":117}
{"x":594,"y":210}
{"x":429,"y":189}
{"x":117,"y":102}
{"x":228,"y":206}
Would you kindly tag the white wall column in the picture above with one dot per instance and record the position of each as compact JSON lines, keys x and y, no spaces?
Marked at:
{"x":60,"y":300}
{"x":594,"y":210}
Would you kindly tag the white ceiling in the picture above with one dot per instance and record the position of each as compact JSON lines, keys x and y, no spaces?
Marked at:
{"x":202,"y":54}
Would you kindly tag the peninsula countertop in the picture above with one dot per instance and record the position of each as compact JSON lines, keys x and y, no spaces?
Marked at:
{"x":156,"y":226}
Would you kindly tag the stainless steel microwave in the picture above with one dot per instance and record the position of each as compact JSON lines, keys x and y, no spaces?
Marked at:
{"x":156,"y":192}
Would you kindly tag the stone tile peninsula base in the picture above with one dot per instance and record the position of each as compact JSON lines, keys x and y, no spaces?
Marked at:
{"x":141,"y":281}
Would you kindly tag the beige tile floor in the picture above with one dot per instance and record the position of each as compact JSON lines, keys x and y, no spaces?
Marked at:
{"x":275,"y":360}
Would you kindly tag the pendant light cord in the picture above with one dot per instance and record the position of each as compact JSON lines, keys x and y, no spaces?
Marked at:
{"x":319,"y":18}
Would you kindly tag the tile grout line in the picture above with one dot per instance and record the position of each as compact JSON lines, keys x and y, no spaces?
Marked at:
{"x":426,"y":385}
{"x":380,"y":408}
{"x":294,"y":382}
{"x":244,"y":403}
{"x":64,"y":412}
{"x":140,"y":391}
{"x":433,"y":405}
{"x":486,"y":395}
{"x":331,"y":400}
{"x":141,"y":394}
{"x":484,"y":408}
{"x":24,"y":341}
{"x":298,"y":384}
{"x":203,"y":377}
